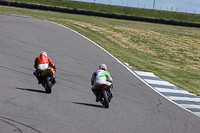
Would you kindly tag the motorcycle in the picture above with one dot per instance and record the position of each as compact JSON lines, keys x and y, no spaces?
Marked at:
{"x":48,"y":79}
{"x":104,"y":94}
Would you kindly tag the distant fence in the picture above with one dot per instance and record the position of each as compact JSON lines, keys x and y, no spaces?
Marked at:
{"x":91,"y":13}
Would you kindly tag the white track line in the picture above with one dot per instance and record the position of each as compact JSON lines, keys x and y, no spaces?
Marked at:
{"x":159,"y":82}
{"x":184,"y":99}
{"x":197,"y":113}
{"x":190,"y":106}
{"x":141,"y":73}
{"x":172,"y":91}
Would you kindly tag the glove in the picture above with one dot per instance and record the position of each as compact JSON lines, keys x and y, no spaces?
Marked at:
{"x":54,"y":67}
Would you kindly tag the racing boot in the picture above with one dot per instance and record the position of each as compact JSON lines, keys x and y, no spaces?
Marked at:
{"x":111,"y":88}
{"x":95,"y":93}
{"x":54,"y":79}
{"x":98,"y":97}
{"x":39,"y":79}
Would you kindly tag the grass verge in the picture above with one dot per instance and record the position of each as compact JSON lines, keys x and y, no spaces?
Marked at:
{"x":178,"y":16}
{"x":171,"y":52}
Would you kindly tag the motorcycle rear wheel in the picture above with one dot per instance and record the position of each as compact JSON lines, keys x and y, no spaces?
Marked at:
{"x":105,"y":99}
{"x":48,"y":85}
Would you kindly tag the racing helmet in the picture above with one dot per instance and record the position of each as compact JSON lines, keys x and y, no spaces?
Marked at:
{"x":103,"y":67}
{"x":43,"y":52}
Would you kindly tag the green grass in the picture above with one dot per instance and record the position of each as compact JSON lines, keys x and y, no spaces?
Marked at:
{"x":171,"y":52}
{"x":118,"y":10}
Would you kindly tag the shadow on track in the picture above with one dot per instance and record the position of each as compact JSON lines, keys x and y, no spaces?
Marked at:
{"x":39,"y":91}
{"x":91,"y":105}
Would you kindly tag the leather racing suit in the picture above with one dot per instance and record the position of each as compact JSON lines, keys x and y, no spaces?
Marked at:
{"x":100,"y":77}
{"x":41,"y":63}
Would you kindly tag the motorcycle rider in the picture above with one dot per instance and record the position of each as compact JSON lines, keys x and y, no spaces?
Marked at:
{"x":99,"y":77}
{"x":41,"y":63}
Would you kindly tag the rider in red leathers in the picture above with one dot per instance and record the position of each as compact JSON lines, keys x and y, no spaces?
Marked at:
{"x":41,"y":63}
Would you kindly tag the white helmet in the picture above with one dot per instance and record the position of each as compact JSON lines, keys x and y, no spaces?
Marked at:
{"x":103,"y":67}
{"x":43,"y":52}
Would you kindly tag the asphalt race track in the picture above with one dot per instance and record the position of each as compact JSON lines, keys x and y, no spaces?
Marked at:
{"x":71,"y":107}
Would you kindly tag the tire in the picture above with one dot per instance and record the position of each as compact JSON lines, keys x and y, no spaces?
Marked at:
{"x":48,"y":85}
{"x":105,"y":97}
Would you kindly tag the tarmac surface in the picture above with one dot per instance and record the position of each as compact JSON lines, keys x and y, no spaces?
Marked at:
{"x":71,"y":107}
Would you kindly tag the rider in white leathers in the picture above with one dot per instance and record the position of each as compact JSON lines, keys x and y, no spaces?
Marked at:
{"x":99,"y":77}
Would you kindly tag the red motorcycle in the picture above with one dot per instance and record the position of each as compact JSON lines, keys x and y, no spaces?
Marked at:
{"x":104,"y":94}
